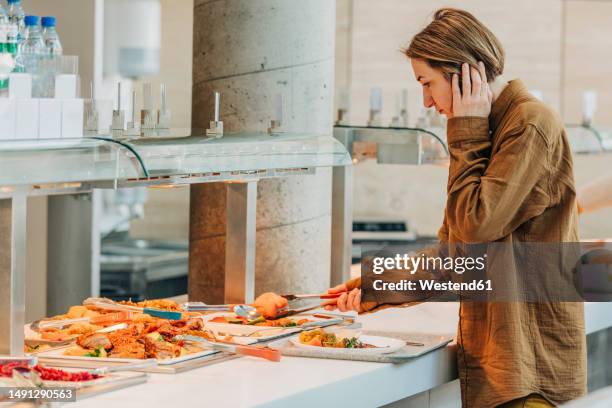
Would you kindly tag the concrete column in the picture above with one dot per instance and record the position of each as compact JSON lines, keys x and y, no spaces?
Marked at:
{"x":252,"y":51}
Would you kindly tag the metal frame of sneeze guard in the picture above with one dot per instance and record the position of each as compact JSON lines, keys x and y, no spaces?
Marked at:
{"x":411,"y":146}
{"x":70,"y":169}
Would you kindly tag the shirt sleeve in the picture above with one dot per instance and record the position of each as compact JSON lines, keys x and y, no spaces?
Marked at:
{"x":491,"y":194}
{"x":398,"y":275}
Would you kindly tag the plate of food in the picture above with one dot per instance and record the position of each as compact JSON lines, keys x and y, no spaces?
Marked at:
{"x":345,"y":341}
{"x":144,"y":339}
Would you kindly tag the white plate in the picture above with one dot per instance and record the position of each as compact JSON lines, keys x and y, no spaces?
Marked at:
{"x":246,"y":330}
{"x":59,"y":353}
{"x":384,"y":345}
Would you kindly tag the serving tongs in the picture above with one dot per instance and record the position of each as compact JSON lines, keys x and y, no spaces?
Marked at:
{"x":253,"y":351}
{"x":107,"y":304}
{"x":313,"y":296}
{"x":203,"y":307}
{"x":97,"y":320}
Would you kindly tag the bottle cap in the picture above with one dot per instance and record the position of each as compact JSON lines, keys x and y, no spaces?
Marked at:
{"x":13,"y":1}
{"x":48,"y":21}
{"x":31,"y":20}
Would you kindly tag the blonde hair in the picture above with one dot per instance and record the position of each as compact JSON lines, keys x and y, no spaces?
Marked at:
{"x":455,"y":37}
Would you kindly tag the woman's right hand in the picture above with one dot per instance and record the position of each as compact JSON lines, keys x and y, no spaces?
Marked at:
{"x":347,"y":300}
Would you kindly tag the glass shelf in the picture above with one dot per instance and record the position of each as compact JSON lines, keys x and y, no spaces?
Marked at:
{"x":583,"y":139}
{"x":162,"y":154}
{"x":409,"y":146}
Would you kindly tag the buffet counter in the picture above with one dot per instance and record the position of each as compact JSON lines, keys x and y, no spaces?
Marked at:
{"x":305,"y":382}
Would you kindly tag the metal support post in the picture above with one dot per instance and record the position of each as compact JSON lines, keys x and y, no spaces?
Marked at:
{"x":240,"y":242}
{"x":342,"y":224}
{"x":13,"y":213}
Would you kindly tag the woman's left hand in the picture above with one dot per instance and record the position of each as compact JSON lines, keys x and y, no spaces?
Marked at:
{"x":475,"y":97}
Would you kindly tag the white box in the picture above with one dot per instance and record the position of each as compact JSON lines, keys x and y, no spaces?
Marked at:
{"x":72,"y":118}
{"x":26,"y":119}
{"x":20,"y":86}
{"x":7,"y":118}
{"x":66,"y":86}
{"x":50,"y":119}
{"x":105,"y":114}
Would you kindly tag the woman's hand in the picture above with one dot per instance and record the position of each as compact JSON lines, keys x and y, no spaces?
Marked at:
{"x":347,"y":301}
{"x":475,"y":97}
{"x":268,"y":304}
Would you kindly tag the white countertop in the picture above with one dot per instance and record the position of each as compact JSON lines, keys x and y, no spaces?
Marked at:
{"x":305,"y":382}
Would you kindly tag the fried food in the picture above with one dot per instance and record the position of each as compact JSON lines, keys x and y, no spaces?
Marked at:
{"x":82,"y":328}
{"x":144,"y":318}
{"x":94,"y":341}
{"x":143,"y":339}
{"x":157,"y":347}
{"x":75,"y":312}
{"x":54,"y":334}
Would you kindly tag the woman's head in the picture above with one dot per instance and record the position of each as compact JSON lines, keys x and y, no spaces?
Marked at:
{"x":437,"y":52}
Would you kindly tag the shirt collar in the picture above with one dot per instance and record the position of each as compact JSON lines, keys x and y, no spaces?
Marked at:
{"x":513,"y":92}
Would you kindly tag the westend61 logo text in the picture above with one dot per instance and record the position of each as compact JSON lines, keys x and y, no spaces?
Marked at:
{"x":421,"y":262}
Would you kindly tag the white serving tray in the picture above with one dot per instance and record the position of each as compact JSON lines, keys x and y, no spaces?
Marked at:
{"x":384,"y":345}
{"x":58,"y":353}
{"x":85,"y":389}
{"x":430,"y":342}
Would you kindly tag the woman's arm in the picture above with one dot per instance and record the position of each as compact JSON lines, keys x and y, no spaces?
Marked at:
{"x":491,"y":196}
{"x":351,"y":297}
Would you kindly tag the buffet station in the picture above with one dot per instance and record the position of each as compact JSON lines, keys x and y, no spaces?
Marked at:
{"x":160,"y":351}
{"x":97,"y":345}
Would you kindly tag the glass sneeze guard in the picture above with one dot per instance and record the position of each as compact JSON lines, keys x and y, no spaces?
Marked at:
{"x":177,"y":152}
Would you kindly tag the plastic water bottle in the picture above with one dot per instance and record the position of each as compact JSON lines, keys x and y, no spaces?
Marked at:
{"x":50,"y":37}
{"x":30,"y":53}
{"x":32,"y":42}
{"x":16,"y":16}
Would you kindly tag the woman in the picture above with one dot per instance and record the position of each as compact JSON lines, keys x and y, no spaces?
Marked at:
{"x":510,"y":180}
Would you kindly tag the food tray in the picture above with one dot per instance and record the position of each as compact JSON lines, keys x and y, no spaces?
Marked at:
{"x":57,"y":354}
{"x":86,"y":389}
{"x":180,"y":367}
{"x":431,"y":341}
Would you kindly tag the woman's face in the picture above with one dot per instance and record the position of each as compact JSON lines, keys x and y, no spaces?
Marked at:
{"x":437,"y":89}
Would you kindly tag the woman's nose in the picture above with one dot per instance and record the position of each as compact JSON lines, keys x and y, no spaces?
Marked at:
{"x":427,"y":100}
